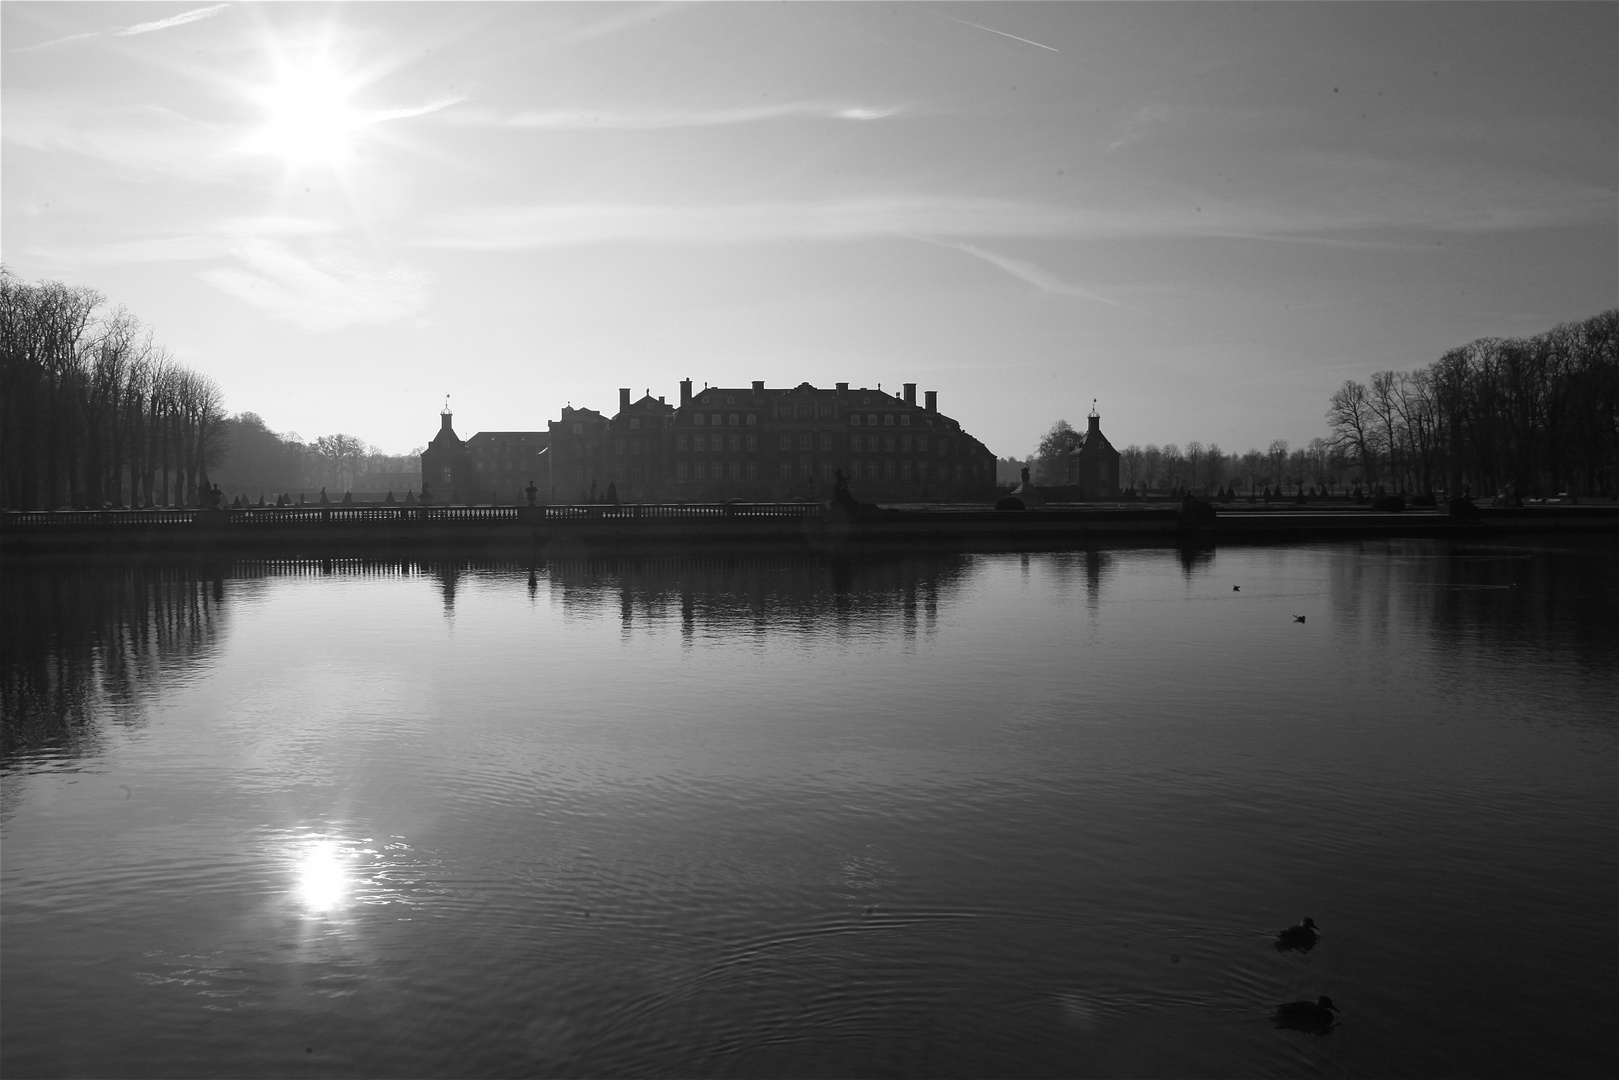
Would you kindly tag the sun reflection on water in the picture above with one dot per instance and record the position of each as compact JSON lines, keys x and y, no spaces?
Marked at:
{"x":323,"y":883}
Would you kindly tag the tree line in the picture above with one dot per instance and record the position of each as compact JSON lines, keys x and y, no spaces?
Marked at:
{"x":94,"y":413}
{"x":1536,"y":416}
{"x":1533,"y":416}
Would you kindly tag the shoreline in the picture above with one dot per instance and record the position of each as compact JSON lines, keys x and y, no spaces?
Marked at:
{"x":388,"y":531}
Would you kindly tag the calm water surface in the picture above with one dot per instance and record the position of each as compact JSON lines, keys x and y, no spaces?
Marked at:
{"x":947,"y":815}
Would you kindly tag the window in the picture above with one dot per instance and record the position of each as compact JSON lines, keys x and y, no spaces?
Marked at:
{"x":958,"y":472}
{"x":618,"y":447}
{"x":635,"y":423}
{"x":888,"y":443}
{"x":888,"y":469}
{"x":702,"y":470}
{"x":806,"y":441}
{"x":680,"y":442}
{"x":854,"y":419}
{"x":826,"y":470}
{"x":714,"y":420}
{"x":865,"y":401}
{"x":578,"y":429}
{"x":753,"y":443}
{"x":446,"y":474}
{"x":806,"y":469}
{"x":905,"y":442}
{"x":854,"y":470}
{"x":905,"y":420}
{"x":753,"y":419}
{"x":854,"y":444}
{"x":922,"y":471}
{"x":922,"y":442}
{"x":700,"y":442}
{"x":826,"y":440}
{"x":888,"y":419}
{"x":826,"y":409}
{"x":735,"y":470}
{"x":736,"y":443}
{"x":786,"y":441}
{"x":905,"y":470}
{"x":697,"y":418}
{"x":730,"y":399}
{"x":590,"y":449}
{"x":635,"y":446}
{"x":753,"y":470}
{"x":786,"y":470}
{"x":735,"y":420}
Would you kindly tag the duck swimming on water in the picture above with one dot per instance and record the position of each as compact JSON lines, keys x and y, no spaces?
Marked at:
{"x":1313,"y":1016}
{"x":1300,"y":938}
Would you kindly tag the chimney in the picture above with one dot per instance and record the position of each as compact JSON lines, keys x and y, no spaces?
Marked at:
{"x":932,"y":398}
{"x":623,"y":399}
{"x":910,"y":394}
{"x":685,"y":392}
{"x":758,"y":386}
{"x":843,"y":388}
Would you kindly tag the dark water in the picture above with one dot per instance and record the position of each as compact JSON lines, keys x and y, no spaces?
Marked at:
{"x":938,"y":816}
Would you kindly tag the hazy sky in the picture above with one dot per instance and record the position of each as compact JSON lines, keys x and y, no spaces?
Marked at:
{"x":1206,"y":216}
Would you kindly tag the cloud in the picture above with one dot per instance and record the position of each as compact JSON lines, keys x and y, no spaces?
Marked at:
{"x":1175,"y":215}
{"x":651,"y":120}
{"x":990,"y":29}
{"x":328,"y":289}
{"x":173,"y":20}
{"x":130,"y":31}
{"x":634,"y":17}
{"x":1035,"y":275}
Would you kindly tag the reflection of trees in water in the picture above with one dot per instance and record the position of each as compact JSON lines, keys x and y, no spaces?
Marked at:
{"x":764,"y":594}
{"x":1557,"y":597}
{"x":77,"y":640}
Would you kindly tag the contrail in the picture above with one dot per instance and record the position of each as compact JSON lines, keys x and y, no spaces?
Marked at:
{"x":991,"y":29}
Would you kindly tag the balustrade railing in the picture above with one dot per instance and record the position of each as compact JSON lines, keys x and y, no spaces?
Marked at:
{"x":259,"y":516}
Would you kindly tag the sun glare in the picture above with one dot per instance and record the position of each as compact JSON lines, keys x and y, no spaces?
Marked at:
{"x":308,"y":116}
{"x":322,"y":882}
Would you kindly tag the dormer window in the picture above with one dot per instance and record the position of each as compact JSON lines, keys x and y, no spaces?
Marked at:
{"x":635,"y":423}
{"x":697,"y":418}
{"x":578,"y":429}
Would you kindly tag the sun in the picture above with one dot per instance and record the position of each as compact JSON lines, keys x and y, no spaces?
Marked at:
{"x":308,"y":115}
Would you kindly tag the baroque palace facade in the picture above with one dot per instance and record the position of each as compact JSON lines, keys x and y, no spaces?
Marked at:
{"x":758,"y":444}
{"x":722,"y":443}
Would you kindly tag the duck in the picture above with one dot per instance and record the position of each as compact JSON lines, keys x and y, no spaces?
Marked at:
{"x":1315,"y":1016}
{"x":1298,"y":618}
{"x":1236,"y":588}
{"x":1301,"y":937}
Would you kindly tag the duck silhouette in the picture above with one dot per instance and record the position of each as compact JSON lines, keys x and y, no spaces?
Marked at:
{"x":1236,"y":588}
{"x":1300,"y":938}
{"x":1298,"y":618}
{"x":1312,"y":1016}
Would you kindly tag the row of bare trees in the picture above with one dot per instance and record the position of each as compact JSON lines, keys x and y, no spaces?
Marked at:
{"x":92,"y":411}
{"x":1537,"y":414}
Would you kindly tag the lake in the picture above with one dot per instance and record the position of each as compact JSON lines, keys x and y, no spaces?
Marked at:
{"x":939,"y":815}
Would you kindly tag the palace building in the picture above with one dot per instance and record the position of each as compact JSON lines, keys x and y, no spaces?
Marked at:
{"x":761,"y":445}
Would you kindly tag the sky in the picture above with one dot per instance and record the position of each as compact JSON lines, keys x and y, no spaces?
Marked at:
{"x":1204,"y":217}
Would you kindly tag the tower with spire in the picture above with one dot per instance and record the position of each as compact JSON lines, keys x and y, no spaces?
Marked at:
{"x":1093,"y":463}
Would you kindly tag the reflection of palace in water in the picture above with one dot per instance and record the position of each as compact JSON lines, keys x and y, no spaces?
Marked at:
{"x":744,"y":594}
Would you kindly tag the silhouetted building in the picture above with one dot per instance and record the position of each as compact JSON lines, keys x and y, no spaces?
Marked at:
{"x":1093,"y":464}
{"x":505,"y":461}
{"x":756,"y":444}
{"x":447,"y":466}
